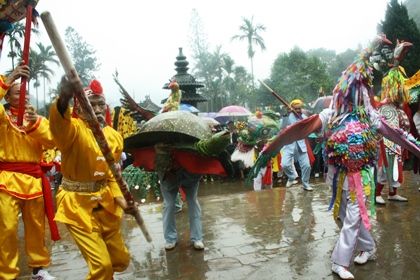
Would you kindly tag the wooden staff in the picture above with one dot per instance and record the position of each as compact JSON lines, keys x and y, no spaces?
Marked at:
{"x":90,"y":116}
{"x":25,"y":58}
{"x":281,"y":100}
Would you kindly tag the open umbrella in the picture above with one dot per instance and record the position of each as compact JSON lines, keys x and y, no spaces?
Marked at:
{"x":185,"y":107}
{"x":188,"y":108}
{"x":213,"y":115}
{"x":322,"y":102}
{"x":234,"y":111}
{"x":210,"y":121}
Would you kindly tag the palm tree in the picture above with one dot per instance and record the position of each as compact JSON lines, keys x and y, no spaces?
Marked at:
{"x":15,"y":38}
{"x":217,"y":59}
{"x":47,"y":56}
{"x":39,"y":69}
{"x":228,"y":77}
{"x":250,"y":32}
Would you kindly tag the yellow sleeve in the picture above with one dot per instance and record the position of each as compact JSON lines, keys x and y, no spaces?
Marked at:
{"x":41,"y":132}
{"x":63,"y":128}
{"x":3,"y":89}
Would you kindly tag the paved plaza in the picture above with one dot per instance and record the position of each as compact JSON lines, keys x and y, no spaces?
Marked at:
{"x":269,"y":234}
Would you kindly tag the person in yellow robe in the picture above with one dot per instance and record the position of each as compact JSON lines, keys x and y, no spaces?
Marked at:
{"x":21,"y":183}
{"x":87,"y":197}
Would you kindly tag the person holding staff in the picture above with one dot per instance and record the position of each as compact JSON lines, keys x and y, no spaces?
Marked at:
{"x":89,"y":198}
{"x":22,"y":179}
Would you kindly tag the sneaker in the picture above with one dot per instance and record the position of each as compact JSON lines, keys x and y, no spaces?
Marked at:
{"x":42,"y":275}
{"x":279,"y":181}
{"x":198,"y":245}
{"x":309,"y":189}
{"x":289,"y":184}
{"x":363,"y":257}
{"x":295,"y":182}
{"x":379,"y":200}
{"x":170,"y":245}
{"x":397,"y":198}
{"x":211,"y":179}
{"x":316,"y":175}
{"x":342,"y":271}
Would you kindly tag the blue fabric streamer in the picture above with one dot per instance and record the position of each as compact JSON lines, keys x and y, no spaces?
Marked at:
{"x":334,"y":191}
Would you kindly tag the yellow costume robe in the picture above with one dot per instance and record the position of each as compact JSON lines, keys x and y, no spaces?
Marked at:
{"x":83,"y":161}
{"x":21,"y":192}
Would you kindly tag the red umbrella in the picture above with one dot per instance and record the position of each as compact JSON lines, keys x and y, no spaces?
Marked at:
{"x":322,"y":103}
{"x":233,"y":110}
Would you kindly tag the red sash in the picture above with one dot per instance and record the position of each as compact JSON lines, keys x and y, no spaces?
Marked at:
{"x":37,"y":171}
{"x":268,"y":176}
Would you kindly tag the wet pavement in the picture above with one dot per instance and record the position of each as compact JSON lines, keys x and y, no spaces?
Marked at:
{"x":269,"y":234}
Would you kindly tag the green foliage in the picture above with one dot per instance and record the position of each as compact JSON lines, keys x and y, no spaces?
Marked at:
{"x":397,"y":25}
{"x":83,"y":56}
{"x":335,"y":63}
{"x":413,"y":8}
{"x":299,"y":75}
{"x":15,"y":38}
{"x":40,"y":70}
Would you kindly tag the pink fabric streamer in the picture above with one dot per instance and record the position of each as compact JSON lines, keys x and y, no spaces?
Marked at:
{"x":355,"y":180}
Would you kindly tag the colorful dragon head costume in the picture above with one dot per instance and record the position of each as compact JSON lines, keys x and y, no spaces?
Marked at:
{"x":259,"y":126}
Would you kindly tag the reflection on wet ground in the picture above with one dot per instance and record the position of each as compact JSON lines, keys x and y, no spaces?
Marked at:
{"x":270,"y":234}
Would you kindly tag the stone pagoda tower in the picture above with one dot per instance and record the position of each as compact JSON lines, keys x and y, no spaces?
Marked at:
{"x":187,"y":83}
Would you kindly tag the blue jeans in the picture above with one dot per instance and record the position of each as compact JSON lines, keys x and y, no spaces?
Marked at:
{"x":169,"y":186}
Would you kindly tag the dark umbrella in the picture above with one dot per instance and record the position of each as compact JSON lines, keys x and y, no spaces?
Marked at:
{"x":321,"y":103}
{"x":169,"y":127}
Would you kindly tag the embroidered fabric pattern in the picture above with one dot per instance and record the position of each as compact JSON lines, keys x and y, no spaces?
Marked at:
{"x":81,"y":186}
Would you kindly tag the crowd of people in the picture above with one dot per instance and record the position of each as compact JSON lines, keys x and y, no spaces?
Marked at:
{"x":90,"y":203}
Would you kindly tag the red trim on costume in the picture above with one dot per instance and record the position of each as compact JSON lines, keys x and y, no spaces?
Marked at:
{"x":36,"y":125}
{"x":192,"y":162}
{"x":14,"y":111}
{"x":22,"y":196}
{"x":4,"y":86}
{"x":37,"y":171}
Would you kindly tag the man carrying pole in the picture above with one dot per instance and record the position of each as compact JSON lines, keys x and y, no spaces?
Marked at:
{"x":22,"y":180}
{"x":87,"y":200}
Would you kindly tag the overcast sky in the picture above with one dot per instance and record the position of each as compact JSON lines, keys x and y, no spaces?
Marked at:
{"x":141,"y":38}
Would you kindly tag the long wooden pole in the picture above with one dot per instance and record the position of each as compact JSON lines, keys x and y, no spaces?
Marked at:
{"x":91,"y":119}
{"x":281,"y":100}
{"x":22,"y":94}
